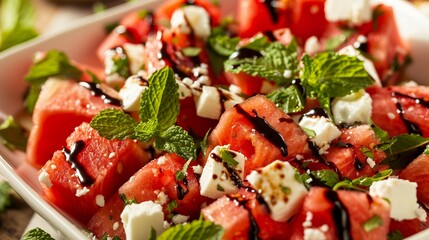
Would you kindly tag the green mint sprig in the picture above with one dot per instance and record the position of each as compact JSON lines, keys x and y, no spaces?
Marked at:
{"x":159,"y":107}
{"x":329,"y":75}
{"x":359,"y":183}
{"x":37,"y":234}
{"x":12,"y":135}
{"x":54,"y":64}
{"x":289,"y":99}
{"x":277,"y":59}
{"x":197,"y":229}
{"x":5,"y":196}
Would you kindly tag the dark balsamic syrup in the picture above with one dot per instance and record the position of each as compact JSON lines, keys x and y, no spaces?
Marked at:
{"x":232,"y":173}
{"x":97,"y":91}
{"x":358,"y":165}
{"x":71,"y":157}
{"x":271,"y":8}
{"x":340,"y":216}
{"x":240,"y":200}
{"x":182,"y":190}
{"x":265,"y":129}
{"x":411,"y":127}
{"x":243,"y":53}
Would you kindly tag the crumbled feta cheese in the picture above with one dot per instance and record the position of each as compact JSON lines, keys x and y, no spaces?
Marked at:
{"x":45,"y":179}
{"x":402,"y":195}
{"x":179,"y":219}
{"x":139,"y":219}
{"x":131,"y":93}
{"x":308,"y":218}
{"x":355,"y":12}
{"x":217,"y":178}
{"x":324,"y":129}
{"x":313,"y":234}
{"x":53,"y":166}
{"x":162,"y":198}
{"x":112,"y":155}
{"x":115,"y":226}
{"x":213,"y":100}
{"x":197,"y":169}
{"x":136,"y":59}
{"x":184,"y":88}
{"x":191,"y":19}
{"x":81,"y":192}
{"x":352,"y":108}
{"x":235,"y":89}
{"x":312,"y":45}
{"x":280,"y":189}
{"x":391,"y":116}
{"x":99,"y":200}
{"x":370,"y":162}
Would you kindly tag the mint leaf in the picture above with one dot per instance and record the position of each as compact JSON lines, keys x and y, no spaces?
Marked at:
{"x":204,"y":143}
{"x":175,"y":139}
{"x":337,"y":41}
{"x":161,"y":100}
{"x":197,"y":229}
{"x":275,"y":61}
{"x":372,"y":223}
{"x":32,"y":96}
{"x":126,"y":200}
{"x":227,"y":157}
{"x":395,"y":235}
{"x":53,"y":64}
{"x":12,"y":135}
{"x":17,"y":36}
{"x":328,"y":177}
{"x":114,"y":124}
{"x":289,"y":99}
{"x":330,"y":75}
{"x":5,"y":191}
{"x":37,"y":234}
{"x":145,"y":131}
{"x":379,"y":133}
{"x":180,"y":175}
{"x":258,"y":43}
{"x":402,"y":149}
{"x":360,"y":182}
{"x":219,"y":47}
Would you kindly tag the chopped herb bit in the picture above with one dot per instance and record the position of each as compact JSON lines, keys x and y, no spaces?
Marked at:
{"x":395,"y":235}
{"x":171,"y":206}
{"x":180,"y":175}
{"x":289,"y":99}
{"x":12,"y":135}
{"x":310,"y":132}
{"x":359,"y":183}
{"x":337,"y":41}
{"x":197,"y":229}
{"x":228,"y":157}
{"x":285,"y":189}
{"x":367,"y":152}
{"x":203,"y":144}
{"x":191,"y":51}
{"x":152,"y":234}
{"x":220,"y":188}
{"x":126,"y":200}
{"x":372,"y":223}
{"x":37,"y":234}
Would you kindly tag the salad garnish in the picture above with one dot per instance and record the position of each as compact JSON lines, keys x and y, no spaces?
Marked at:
{"x":12,"y":135}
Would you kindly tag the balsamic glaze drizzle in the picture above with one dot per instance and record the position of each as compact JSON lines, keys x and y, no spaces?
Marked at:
{"x":315,"y":150}
{"x":271,"y":8}
{"x":97,"y":91}
{"x":71,"y":157}
{"x":411,"y":127}
{"x":340,"y":216}
{"x":358,"y":164}
{"x":243,"y":53}
{"x":232,"y":173}
{"x":182,"y":191}
{"x":240,"y":200}
{"x":265,"y":129}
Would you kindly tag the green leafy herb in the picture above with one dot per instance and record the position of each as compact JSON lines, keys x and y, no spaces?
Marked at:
{"x":53,"y":64}
{"x":204,"y":144}
{"x":37,"y":234}
{"x":191,"y":51}
{"x":367,"y":152}
{"x":335,"y":42}
{"x":5,"y":191}
{"x":372,"y":223}
{"x":16,"y":22}
{"x":327,"y":177}
{"x":197,"y":229}
{"x":172,"y":205}
{"x":360,"y":182}
{"x":395,"y":235}
{"x":107,"y":237}
{"x":227,"y":157}
{"x":330,"y":75}
{"x":152,"y":234}
{"x":258,"y":43}
{"x":94,"y":77}
{"x":285,"y":190}
{"x":12,"y":135}
{"x":126,"y":200}
{"x":276,"y":60}
{"x":310,"y":132}
{"x":426,"y":151}
{"x":380,"y":133}
{"x":120,"y":63}
{"x":289,"y":99}
{"x":402,"y":149}
{"x":220,"y":188}
{"x":159,"y":107}
{"x":180,"y":175}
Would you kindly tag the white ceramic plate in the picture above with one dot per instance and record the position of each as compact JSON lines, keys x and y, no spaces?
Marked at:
{"x":80,"y":40}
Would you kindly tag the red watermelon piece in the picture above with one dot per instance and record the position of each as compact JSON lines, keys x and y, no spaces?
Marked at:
{"x":107,"y":164}
{"x":61,"y":106}
{"x":237,"y":128}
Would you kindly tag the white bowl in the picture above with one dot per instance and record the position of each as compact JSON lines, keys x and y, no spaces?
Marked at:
{"x":80,"y":40}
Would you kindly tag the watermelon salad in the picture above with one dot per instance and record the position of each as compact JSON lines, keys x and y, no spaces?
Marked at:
{"x":291,"y":120}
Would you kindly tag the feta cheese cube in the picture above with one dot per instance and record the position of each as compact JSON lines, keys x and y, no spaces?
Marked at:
{"x":355,"y":12}
{"x":278,"y":185}
{"x":402,"y":195}
{"x":355,"y":107}
{"x":218,"y":178}
{"x":136,"y":59}
{"x":191,"y":19}
{"x":131,"y":93}
{"x":139,"y":219}
{"x":45,"y":179}
{"x":324,"y":129}
{"x":213,"y":100}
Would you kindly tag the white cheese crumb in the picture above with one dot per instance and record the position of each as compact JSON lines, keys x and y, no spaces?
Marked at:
{"x":197,"y":169}
{"x":355,"y":12}
{"x":81,"y":192}
{"x":53,"y":166}
{"x":313,"y":234}
{"x":352,"y":108}
{"x":308,"y":217}
{"x":45,"y":179}
{"x":162,"y":198}
{"x":115,"y":226}
{"x":99,"y":200}
{"x":370,"y":162}
{"x":112,"y":155}
{"x":179,"y":219}
{"x":312,"y":45}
